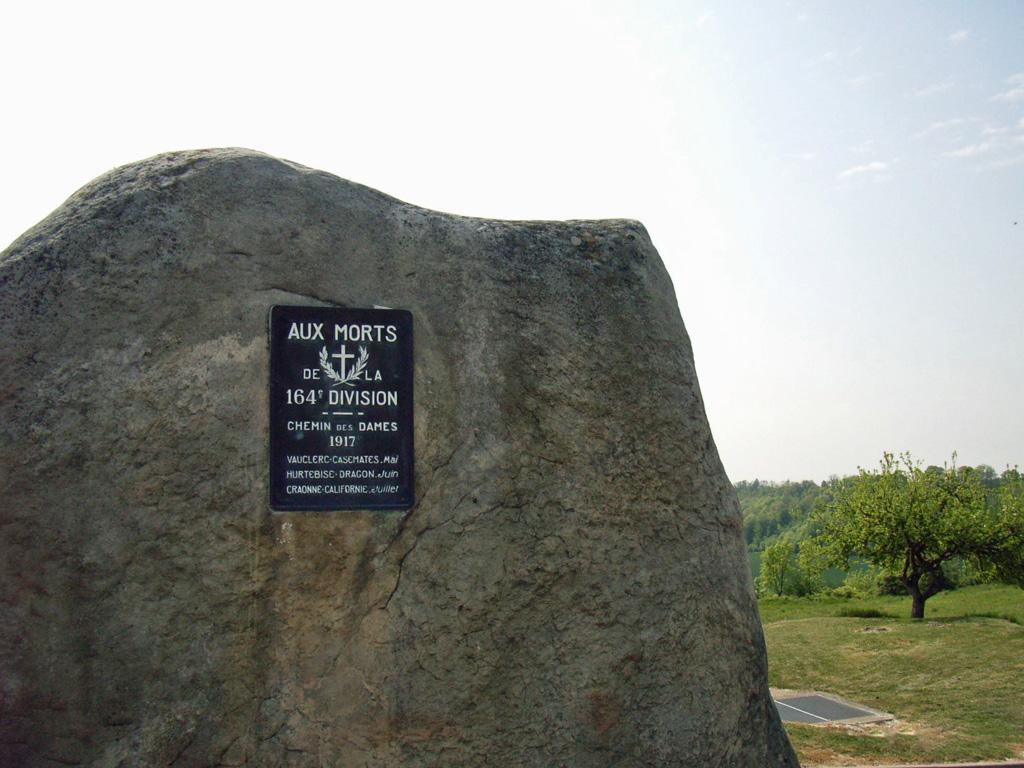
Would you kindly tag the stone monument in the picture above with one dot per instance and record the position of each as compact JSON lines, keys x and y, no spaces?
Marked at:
{"x":568,"y":585}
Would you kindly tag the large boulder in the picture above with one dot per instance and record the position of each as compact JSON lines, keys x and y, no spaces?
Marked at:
{"x":570,"y":589}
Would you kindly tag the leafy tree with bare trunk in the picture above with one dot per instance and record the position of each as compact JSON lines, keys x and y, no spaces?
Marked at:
{"x":910,"y":521}
{"x":776,"y":568}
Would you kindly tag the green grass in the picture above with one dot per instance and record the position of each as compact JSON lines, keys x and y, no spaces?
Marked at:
{"x":954,"y":680}
{"x":861,"y":612}
{"x":988,"y":600}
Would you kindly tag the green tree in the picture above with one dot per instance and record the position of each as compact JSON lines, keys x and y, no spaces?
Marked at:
{"x":909,"y":522}
{"x":987,"y":475}
{"x":776,"y":567}
{"x":1005,"y":563}
{"x":773,"y":510}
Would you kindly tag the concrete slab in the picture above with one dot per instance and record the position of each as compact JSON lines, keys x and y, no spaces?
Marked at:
{"x":815,"y":707}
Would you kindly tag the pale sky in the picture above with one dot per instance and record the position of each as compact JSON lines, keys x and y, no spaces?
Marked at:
{"x":836,"y":188}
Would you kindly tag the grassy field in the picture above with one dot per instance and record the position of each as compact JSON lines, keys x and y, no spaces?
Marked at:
{"x":954,"y":681}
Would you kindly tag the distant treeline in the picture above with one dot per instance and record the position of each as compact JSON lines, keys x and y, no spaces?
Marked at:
{"x":772,"y":511}
{"x":777,"y":511}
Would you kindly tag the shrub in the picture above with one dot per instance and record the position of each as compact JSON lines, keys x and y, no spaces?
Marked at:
{"x":860,"y":612}
{"x":805,"y":584}
{"x":937,"y":582}
{"x":889,"y":584}
{"x":846,"y":592}
{"x":963,"y":573}
{"x":861,"y":581}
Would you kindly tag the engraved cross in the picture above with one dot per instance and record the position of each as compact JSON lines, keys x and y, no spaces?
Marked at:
{"x":343,"y":355}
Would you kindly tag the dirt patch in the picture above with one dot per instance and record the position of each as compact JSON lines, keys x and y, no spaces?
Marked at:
{"x":820,"y":757}
{"x":926,"y":737}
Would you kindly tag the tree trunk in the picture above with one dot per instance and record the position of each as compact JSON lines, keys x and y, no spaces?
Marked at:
{"x":917,"y":604}
{"x":921,"y":586}
{"x":917,"y":596}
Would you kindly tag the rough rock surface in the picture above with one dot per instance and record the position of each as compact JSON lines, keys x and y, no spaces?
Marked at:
{"x":571,"y":588}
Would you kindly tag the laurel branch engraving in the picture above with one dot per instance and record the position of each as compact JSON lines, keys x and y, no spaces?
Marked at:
{"x":352,"y":375}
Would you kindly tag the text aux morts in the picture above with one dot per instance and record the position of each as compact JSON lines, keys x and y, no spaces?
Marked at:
{"x":344,"y":396}
{"x":341,"y":408}
{"x":342,"y":368}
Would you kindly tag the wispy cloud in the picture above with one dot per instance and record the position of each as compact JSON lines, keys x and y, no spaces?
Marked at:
{"x":970,"y":150}
{"x":931,"y":90}
{"x":1016,"y":92}
{"x":867,"y":146}
{"x":862,"y":80}
{"x":943,"y":126}
{"x":994,"y":146}
{"x":1007,"y":161}
{"x":705,"y":18}
{"x":867,"y":167}
{"x":959,"y":36}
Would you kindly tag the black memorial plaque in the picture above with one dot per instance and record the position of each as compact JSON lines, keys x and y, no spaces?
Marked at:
{"x":340,"y":409}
